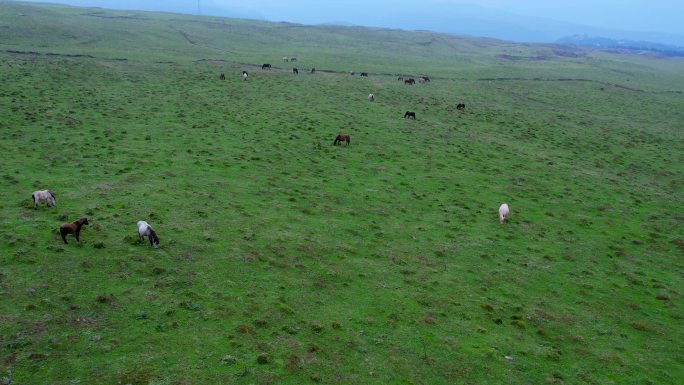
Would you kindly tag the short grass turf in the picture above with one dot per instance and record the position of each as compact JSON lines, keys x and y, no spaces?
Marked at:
{"x":285,"y":260}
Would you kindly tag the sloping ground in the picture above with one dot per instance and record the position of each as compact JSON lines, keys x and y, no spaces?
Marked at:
{"x":285,"y":260}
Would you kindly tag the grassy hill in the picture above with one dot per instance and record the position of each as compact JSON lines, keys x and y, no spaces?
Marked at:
{"x":285,"y":260}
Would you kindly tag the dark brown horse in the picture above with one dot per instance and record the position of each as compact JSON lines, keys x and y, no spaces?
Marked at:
{"x":295,"y":71}
{"x":342,"y":138}
{"x":266,"y":66}
{"x":313,"y":70}
{"x":460,"y":106}
{"x":72,"y":228}
{"x":410,"y":115}
{"x":222,"y":76}
{"x":364,"y":74}
{"x":410,"y":81}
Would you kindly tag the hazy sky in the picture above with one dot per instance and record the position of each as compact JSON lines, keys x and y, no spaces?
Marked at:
{"x":664,"y":16}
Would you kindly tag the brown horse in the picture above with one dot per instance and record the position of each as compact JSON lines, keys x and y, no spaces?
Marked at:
{"x":72,"y":228}
{"x":342,"y":138}
{"x":410,"y":81}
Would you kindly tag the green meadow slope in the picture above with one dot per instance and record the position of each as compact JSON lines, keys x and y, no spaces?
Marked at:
{"x":285,"y":260}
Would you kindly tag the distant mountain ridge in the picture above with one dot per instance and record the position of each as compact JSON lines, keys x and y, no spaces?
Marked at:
{"x":433,"y":15}
{"x":606,"y":43}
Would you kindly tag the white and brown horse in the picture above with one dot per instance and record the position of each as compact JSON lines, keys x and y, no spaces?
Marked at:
{"x":43,"y":195}
{"x":145,"y":230}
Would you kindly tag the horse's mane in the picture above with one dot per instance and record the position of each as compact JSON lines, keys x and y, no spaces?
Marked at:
{"x":154,"y":236}
{"x":52,"y":195}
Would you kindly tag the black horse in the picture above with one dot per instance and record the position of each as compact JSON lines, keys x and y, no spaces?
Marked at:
{"x":295,"y":71}
{"x":410,"y":81}
{"x":342,"y":138}
{"x":410,"y":115}
{"x":222,"y":77}
{"x":265,"y":66}
{"x":460,"y":106}
{"x":313,"y":70}
{"x":364,"y":74}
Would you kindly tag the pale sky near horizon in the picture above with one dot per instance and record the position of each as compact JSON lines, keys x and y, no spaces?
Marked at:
{"x":664,"y":16}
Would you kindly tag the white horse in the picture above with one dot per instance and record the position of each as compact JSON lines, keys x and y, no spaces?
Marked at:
{"x":371,"y":97}
{"x":43,"y":195}
{"x":145,"y":230}
{"x":503,"y":213}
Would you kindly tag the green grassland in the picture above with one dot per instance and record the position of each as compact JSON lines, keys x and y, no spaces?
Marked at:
{"x":285,"y":260}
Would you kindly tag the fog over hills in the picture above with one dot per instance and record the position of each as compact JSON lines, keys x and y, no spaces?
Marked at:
{"x":525,"y":21}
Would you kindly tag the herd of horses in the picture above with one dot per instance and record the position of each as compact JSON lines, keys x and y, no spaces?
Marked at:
{"x":145,"y":230}
{"x":74,"y":228}
{"x":371,"y":98}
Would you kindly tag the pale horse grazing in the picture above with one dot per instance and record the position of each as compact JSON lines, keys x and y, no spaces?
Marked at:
{"x":371,"y":97}
{"x":43,"y":195}
{"x":145,"y":230}
{"x":503,"y":213}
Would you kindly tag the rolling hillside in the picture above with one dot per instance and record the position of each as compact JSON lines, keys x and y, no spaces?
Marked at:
{"x":285,"y":260}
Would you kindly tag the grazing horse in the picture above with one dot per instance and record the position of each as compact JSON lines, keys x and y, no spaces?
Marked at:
{"x":145,"y":230}
{"x":503,"y":213}
{"x":364,"y":74}
{"x":265,"y":66}
{"x":371,"y":97}
{"x":293,"y":59}
{"x":342,"y":138}
{"x":72,"y":228}
{"x":245,"y":75}
{"x":410,"y":115}
{"x":313,"y":70}
{"x":285,"y":59}
{"x":222,"y":76}
{"x":424,"y":79}
{"x":460,"y":106}
{"x":295,"y":71}
{"x":43,"y":195}
{"x":410,"y":81}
